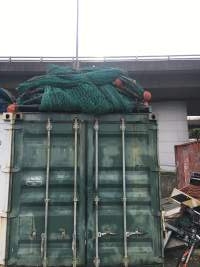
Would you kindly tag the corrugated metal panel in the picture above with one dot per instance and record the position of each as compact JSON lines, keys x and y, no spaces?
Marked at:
{"x":187,"y":161}
{"x":43,"y":203}
{"x":5,"y":175}
{"x":85,"y":192}
{"x":125,"y":218}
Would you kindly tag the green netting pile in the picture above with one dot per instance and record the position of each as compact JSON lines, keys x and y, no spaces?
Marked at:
{"x":91,"y":90}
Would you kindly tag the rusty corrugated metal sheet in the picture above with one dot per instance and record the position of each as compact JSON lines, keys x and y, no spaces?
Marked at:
{"x":187,"y":158}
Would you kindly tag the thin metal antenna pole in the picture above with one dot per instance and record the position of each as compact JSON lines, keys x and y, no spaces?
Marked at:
{"x":77,"y":35}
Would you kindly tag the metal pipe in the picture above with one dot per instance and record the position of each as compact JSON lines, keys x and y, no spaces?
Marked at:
{"x":124,"y":193}
{"x":74,"y":249}
{"x":77,"y":35}
{"x":49,"y":127}
{"x":96,"y":128}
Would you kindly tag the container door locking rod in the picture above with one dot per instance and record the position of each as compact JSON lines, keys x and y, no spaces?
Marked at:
{"x":44,"y":235}
{"x":124,"y":193}
{"x":96,"y":128}
{"x":75,"y":199}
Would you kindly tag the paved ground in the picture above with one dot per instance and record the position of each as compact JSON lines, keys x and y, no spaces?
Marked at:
{"x":172,"y":256}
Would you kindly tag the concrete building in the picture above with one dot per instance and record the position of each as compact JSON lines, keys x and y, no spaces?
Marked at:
{"x":173,"y":81}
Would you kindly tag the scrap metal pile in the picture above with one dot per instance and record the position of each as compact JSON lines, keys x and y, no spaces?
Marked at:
{"x":183,"y":220}
{"x":92,"y":90}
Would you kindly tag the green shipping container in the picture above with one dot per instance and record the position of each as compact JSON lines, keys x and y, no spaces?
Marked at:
{"x":84,"y":191}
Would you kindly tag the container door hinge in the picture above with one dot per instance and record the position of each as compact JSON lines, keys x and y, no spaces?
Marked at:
{"x":8,"y":169}
{"x":3,"y":214}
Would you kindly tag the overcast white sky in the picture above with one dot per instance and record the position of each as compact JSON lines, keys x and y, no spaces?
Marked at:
{"x":107,"y":27}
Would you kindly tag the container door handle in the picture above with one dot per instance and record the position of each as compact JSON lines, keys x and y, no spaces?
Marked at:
{"x":100,"y":234}
{"x":135,"y":233}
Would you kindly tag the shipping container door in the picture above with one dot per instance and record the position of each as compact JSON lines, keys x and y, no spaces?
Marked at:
{"x":47,"y":218}
{"x":124,"y":224}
